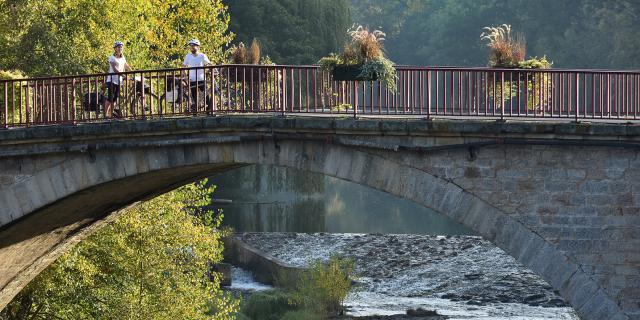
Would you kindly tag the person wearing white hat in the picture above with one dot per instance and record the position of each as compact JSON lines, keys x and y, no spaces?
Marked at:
{"x":117,"y":63}
{"x":197,"y":82}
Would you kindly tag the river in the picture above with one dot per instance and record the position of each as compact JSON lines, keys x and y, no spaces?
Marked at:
{"x":406,"y":256}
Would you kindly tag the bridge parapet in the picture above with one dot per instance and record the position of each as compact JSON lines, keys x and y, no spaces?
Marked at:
{"x":429,"y":92}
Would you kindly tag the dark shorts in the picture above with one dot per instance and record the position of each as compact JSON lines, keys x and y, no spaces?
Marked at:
{"x":113,"y":91}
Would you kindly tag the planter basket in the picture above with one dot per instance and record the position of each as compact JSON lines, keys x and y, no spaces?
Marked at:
{"x":350,"y":73}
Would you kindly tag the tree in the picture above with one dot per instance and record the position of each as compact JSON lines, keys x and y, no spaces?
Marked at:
{"x":292,"y":31}
{"x":59,"y":37}
{"x":150,"y":263}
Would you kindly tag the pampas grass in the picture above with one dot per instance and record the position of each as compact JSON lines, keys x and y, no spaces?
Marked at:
{"x":254,"y":52}
{"x":507,"y":49}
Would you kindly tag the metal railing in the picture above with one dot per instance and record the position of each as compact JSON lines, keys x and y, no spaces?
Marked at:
{"x":421,"y":91}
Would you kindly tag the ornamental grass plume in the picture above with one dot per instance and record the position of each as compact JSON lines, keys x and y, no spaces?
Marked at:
{"x":239,"y":54}
{"x":368,"y":42}
{"x":506,"y":48}
{"x":254,"y":52}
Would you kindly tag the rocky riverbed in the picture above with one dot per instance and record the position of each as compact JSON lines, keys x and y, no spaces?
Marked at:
{"x":463,"y":277}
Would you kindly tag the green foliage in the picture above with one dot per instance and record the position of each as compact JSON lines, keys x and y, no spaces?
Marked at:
{"x":383,"y":69}
{"x":270,"y":305}
{"x":329,"y":62}
{"x":59,"y":37}
{"x":535,"y":63}
{"x":152,"y":262}
{"x":291,"y":31}
{"x":15,"y":107}
{"x":323,"y":288}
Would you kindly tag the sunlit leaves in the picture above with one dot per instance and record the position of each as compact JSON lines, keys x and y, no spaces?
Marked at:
{"x":54,"y":37}
{"x":151,"y":263}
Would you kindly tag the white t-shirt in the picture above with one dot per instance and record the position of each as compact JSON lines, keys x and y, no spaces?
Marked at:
{"x":119,"y":62}
{"x":198,"y":60}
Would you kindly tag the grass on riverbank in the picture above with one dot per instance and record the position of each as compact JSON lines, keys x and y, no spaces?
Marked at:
{"x":318,"y":294}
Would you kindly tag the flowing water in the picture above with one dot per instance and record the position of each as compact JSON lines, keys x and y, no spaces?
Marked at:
{"x":401,"y":252}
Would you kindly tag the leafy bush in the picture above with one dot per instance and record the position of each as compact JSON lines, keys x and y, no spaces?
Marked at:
{"x":323,"y":288}
{"x":270,"y":305}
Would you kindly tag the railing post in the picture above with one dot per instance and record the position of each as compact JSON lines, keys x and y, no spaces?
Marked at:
{"x":355,"y":99}
{"x":282,"y":95}
{"x":429,"y":95}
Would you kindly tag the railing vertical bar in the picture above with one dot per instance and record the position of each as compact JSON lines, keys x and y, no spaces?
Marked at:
{"x":502,"y":104}
{"x":577,"y":107}
{"x":243,"y":85}
{"x":460,"y":92}
{"x":452,"y":97}
{"x":5,"y":116}
{"x":602,"y":95}
{"x":74,"y":101}
{"x":584,"y":95}
{"x":437,"y":92}
{"x":27,"y":99}
{"x":20,"y":103}
{"x":510,"y":94}
{"x":478,"y":91}
{"x":228,"y":83}
{"x":428,"y":94}
{"x":628,"y":95}
{"x":421,"y":91}
{"x":485,"y":93}
{"x":379,"y":104}
{"x":469,"y":94}
{"x":300,"y":92}
{"x":445,"y":94}
{"x":307,"y":97}
{"x":637,"y":93}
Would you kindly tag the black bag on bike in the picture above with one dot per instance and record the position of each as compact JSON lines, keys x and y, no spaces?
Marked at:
{"x":147,"y":89}
{"x":92,"y":101}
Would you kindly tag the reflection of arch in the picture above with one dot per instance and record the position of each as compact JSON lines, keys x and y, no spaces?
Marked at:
{"x":101,"y":181}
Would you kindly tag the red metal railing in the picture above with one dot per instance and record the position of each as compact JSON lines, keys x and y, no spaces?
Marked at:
{"x":421,"y":91}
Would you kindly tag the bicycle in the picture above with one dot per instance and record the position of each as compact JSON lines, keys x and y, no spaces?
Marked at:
{"x":178,"y":95}
{"x":137,"y":94}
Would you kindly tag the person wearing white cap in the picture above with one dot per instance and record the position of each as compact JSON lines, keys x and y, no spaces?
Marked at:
{"x":117,"y":63}
{"x":197,"y":82}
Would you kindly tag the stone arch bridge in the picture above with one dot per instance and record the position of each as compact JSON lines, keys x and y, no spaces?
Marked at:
{"x":563,"y":199}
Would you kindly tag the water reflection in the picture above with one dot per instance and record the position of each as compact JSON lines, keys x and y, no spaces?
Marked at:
{"x":276,"y":199}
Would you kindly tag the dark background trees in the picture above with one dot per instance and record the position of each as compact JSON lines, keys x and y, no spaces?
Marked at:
{"x":291,"y":31}
{"x":573,"y":33}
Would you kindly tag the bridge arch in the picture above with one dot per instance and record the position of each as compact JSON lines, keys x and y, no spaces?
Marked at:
{"x":67,"y":193}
